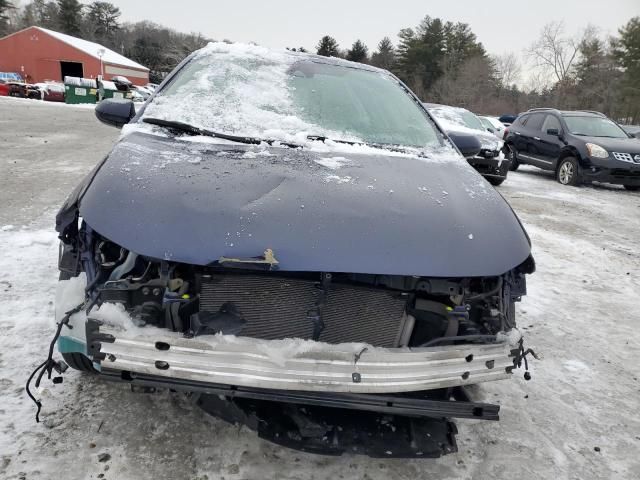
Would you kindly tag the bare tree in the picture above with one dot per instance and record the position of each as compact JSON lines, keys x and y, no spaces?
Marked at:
{"x":507,"y":68}
{"x":554,"y":52}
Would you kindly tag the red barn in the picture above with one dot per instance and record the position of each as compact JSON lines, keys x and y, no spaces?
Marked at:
{"x":39,"y":54}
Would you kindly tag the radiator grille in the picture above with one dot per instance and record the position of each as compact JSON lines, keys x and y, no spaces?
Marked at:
{"x":276,"y":308}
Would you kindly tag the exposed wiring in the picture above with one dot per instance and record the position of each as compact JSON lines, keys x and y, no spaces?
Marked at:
{"x":49,"y":364}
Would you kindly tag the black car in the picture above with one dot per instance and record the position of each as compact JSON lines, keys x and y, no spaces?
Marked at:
{"x":507,"y":119}
{"x":579,"y":146}
{"x":300,"y":259}
{"x":490,"y":161}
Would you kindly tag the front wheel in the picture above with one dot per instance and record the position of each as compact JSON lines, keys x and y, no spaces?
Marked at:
{"x":632,"y":188}
{"x":567,"y":173}
{"x":78,"y":361}
{"x":511,"y":156}
{"x":496,"y":181}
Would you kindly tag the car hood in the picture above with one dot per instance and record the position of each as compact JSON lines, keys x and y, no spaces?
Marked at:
{"x":336,"y":212}
{"x":623,"y":145}
{"x":484,"y":137}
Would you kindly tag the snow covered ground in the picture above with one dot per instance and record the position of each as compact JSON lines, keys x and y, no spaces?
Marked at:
{"x":576,"y":419}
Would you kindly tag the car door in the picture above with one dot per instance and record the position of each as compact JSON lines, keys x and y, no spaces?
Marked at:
{"x":530,"y":138}
{"x":516,"y":129}
{"x":549,"y":144}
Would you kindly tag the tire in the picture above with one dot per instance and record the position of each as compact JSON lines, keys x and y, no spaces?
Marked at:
{"x":511,"y":155}
{"x":495,"y":181}
{"x":78,"y":361}
{"x":632,"y":188}
{"x":568,"y":172}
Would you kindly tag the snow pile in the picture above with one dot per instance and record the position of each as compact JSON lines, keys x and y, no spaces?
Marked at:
{"x":512,"y":337}
{"x":70,"y":294}
{"x":117,"y":321}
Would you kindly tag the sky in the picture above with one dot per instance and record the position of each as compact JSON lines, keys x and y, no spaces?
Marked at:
{"x":501,"y":25}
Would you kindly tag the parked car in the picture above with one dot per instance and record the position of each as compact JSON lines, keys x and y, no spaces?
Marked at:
{"x":507,"y":119}
{"x":141,"y":93}
{"x":490,"y":161}
{"x":50,"y":91}
{"x":11,"y":77}
{"x":579,"y":146}
{"x":5,"y":89}
{"x":17,"y":89}
{"x":288,"y":253}
{"x":493,"y":125}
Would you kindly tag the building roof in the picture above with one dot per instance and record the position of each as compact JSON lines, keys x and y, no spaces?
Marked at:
{"x":92,"y":48}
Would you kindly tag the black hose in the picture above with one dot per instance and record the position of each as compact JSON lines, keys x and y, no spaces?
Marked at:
{"x":35,"y":400}
{"x":486,"y":294}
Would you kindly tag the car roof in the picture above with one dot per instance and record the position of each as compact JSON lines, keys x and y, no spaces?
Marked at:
{"x":439,"y":105}
{"x":566,"y":113}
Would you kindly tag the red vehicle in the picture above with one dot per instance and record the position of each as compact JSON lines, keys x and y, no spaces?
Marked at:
{"x":4,"y":89}
{"x":51,"y":92}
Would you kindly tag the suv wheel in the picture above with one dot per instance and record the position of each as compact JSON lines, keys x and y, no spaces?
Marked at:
{"x":567,"y":173}
{"x":511,"y":155}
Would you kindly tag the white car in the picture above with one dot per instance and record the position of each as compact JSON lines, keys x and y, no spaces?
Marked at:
{"x":493,"y":125}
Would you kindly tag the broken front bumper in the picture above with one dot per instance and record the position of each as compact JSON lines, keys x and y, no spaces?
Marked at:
{"x":310,"y":367}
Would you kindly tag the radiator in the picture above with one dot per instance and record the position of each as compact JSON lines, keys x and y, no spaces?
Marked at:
{"x":276,"y":308}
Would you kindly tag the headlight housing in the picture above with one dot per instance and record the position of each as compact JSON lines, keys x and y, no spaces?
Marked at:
{"x":596,"y":151}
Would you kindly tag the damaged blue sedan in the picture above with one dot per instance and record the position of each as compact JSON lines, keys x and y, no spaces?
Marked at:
{"x":294,"y":240}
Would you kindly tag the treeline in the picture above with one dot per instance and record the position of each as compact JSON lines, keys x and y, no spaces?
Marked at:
{"x":154,"y":46}
{"x":441,"y":61}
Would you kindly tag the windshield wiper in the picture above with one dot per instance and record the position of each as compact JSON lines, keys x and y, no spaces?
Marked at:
{"x":381,"y":146}
{"x":193,"y":130}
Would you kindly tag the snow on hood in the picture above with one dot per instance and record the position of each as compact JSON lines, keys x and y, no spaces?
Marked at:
{"x":451,"y":121}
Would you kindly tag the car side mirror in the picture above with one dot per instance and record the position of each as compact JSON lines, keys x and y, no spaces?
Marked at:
{"x":553,"y":131}
{"x":468,"y":145}
{"x":115,"y":112}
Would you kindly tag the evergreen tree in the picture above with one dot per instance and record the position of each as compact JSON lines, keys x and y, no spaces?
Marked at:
{"x":70,"y":16}
{"x":5,"y":6}
{"x":104,"y":18}
{"x":328,"y":47}
{"x":358,"y":52}
{"x":385,"y":57}
{"x":626,"y":51}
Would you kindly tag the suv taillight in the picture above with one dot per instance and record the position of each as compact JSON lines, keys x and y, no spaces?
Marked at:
{"x":506,"y":132}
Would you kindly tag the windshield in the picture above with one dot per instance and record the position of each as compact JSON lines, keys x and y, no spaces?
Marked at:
{"x":251,"y":91}
{"x":594,"y":127}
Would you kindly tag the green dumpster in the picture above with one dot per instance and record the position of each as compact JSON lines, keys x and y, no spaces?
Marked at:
{"x":109,"y":89}
{"x":80,"y":90}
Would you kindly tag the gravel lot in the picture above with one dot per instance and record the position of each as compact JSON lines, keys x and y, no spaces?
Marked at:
{"x":576,"y":419}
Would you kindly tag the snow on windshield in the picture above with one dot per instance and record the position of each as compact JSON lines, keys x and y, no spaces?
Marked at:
{"x":252,"y":91}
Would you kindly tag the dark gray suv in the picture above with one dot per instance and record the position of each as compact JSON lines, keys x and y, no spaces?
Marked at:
{"x":579,"y":146}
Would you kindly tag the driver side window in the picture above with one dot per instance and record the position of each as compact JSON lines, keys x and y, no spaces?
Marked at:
{"x":551,"y":122}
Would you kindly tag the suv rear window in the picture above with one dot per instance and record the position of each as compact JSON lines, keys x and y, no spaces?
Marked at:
{"x":535,"y":121}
